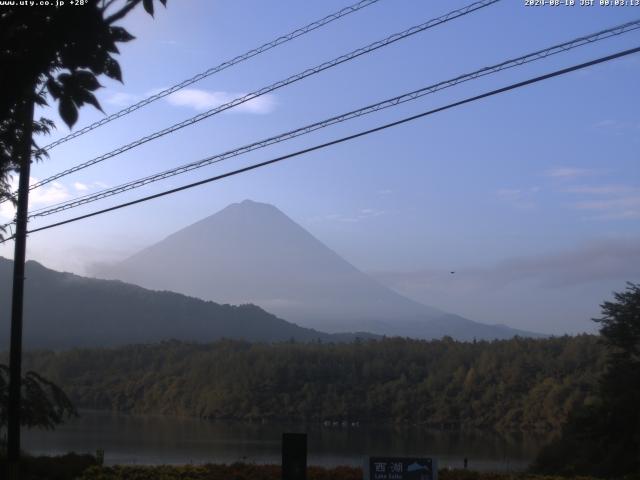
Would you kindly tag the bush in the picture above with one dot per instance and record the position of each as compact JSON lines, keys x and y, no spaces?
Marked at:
{"x":65,"y":467}
{"x":240,"y":471}
{"x":236,"y":471}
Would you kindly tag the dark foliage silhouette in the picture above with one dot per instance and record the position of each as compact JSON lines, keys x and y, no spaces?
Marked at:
{"x":56,"y":53}
{"x":603,"y":437}
{"x":44,"y":404}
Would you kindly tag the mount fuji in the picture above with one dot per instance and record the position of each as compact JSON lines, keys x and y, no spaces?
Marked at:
{"x":252,"y":252}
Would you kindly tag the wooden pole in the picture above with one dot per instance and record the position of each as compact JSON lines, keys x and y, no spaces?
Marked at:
{"x":15,"y":355}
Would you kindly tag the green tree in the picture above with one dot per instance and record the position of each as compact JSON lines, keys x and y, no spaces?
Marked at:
{"x":54,"y":53}
{"x":602,"y":437}
{"x":46,"y":53}
{"x":44,"y":404}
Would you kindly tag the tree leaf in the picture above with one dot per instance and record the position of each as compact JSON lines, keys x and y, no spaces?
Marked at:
{"x":112,"y":69}
{"x":119,"y":34}
{"x":68,"y":111}
{"x":88,"y":97}
{"x":148,"y":6}
{"x":97,"y":62}
{"x":54,"y":88}
{"x":40,"y":100}
{"x":86,"y":80}
{"x":110,"y":46}
{"x":64,"y":78}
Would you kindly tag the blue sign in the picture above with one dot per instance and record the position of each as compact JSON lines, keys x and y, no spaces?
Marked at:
{"x":401,"y":468}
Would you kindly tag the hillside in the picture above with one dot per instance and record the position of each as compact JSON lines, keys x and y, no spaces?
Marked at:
{"x":63,"y":310}
{"x":518,"y":384}
{"x":252,"y":252}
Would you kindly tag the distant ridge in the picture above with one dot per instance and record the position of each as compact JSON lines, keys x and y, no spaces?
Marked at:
{"x":63,"y":310}
{"x":252,"y":252}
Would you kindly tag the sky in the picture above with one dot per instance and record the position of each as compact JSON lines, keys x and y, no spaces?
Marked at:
{"x":532,"y":197}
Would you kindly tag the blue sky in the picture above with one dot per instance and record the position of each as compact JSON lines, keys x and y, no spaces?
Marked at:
{"x":532,"y":197}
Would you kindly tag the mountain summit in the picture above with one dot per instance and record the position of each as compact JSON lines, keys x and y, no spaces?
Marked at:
{"x":251,"y":252}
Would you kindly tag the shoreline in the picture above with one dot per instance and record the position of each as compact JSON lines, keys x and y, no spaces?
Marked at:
{"x":130,"y":439}
{"x":86,"y":467}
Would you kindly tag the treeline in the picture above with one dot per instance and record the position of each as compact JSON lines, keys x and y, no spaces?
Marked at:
{"x":518,"y":384}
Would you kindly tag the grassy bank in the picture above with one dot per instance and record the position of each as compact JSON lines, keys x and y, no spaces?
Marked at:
{"x":65,"y":467}
{"x":84,"y":467}
{"x":270,"y":472}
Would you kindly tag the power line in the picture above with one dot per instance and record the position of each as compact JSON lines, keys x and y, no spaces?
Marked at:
{"x":513,"y":86}
{"x":391,"y":102}
{"x":218,"y":68}
{"x":264,"y":90}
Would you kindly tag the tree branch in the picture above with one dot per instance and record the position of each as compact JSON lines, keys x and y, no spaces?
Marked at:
{"x":106,"y":5}
{"x":122,"y":12}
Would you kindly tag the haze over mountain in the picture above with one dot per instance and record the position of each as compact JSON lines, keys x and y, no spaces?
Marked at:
{"x":64,"y":310}
{"x":251,"y":252}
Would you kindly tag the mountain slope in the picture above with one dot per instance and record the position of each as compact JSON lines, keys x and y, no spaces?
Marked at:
{"x":252,"y":252}
{"x":64,"y":310}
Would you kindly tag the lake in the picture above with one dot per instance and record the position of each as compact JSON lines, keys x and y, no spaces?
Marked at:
{"x":152,"y":440}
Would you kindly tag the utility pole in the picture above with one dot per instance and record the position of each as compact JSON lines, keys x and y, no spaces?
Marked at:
{"x":15,"y":355}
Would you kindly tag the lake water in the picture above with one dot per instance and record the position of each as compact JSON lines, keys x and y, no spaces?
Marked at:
{"x":152,"y":440}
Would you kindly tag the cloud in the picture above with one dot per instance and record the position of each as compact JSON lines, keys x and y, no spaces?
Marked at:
{"x":605,"y":123}
{"x":622,"y":207}
{"x":360,"y":215}
{"x":612,"y":259}
{"x":48,"y":194}
{"x":519,"y":198}
{"x":363,"y":214}
{"x":205,"y":100}
{"x":370,"y":212}
{"x":618,"y":126}
{"x":609,"y":202}
{"x":200,"y":100}
{"x":599,"y":189}
{"x":509,"y":192}
{"x":155,"y":91}
{"x":555,"y":293}
{"x":122,"y":99}
{"x":51,"y":193}
{"x":83,"y":187}
{"x":125,"y":99}
{"x":570,"y":172}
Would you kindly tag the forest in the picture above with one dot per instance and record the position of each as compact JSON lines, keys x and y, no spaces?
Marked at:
{"x":508,"y":385}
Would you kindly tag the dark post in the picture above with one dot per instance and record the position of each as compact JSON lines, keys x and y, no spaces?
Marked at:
{"x":294,"y":456}
{"x":15,"y":355}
